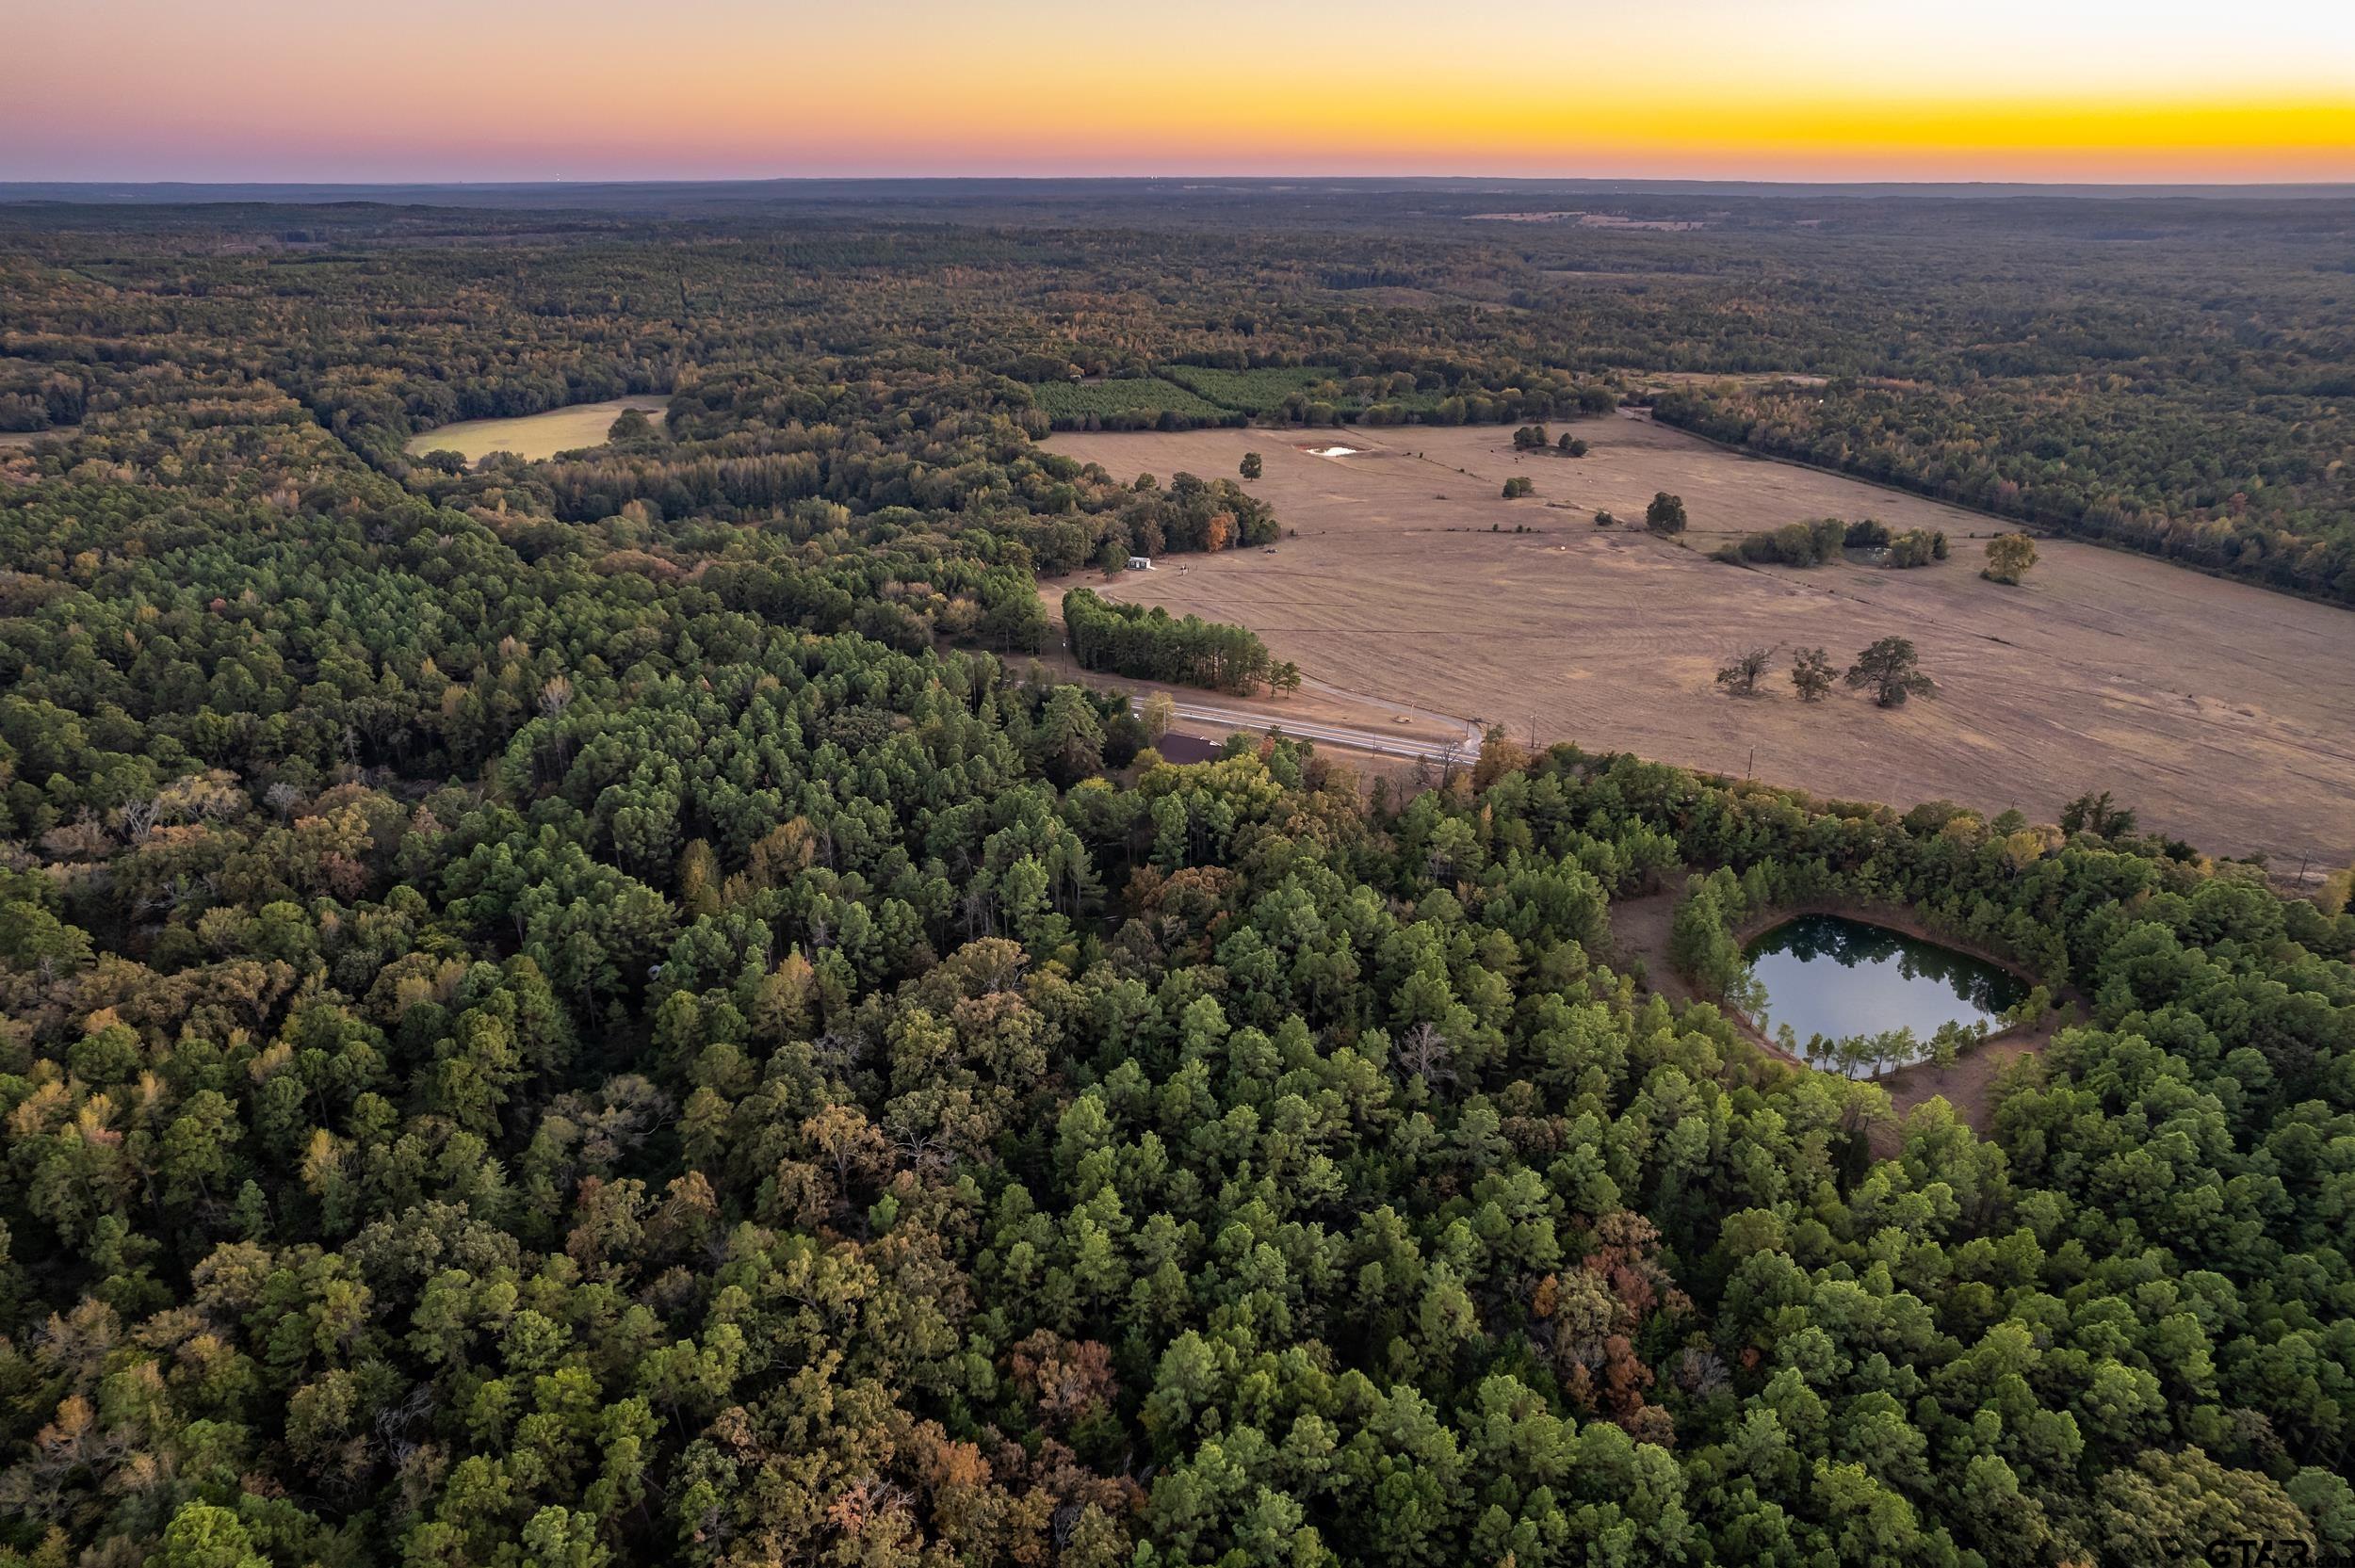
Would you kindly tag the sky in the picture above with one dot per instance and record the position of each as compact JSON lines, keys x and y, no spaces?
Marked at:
{"x":435,"y":90}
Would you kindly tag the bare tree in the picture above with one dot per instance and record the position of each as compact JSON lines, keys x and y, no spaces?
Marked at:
{"x":137,"y":818}
{"x":1425,"y":1051}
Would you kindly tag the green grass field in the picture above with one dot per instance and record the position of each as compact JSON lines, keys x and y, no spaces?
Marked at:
{"x":1122,"y":404}
{"x":1266,"y":391}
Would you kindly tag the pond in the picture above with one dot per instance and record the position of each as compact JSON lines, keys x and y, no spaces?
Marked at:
{"x":1843,"y":980}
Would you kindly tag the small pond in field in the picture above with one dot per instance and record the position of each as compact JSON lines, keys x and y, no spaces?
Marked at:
{"x":1841,"y":979}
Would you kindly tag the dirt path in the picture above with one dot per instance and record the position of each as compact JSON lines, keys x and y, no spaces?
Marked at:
{"x":1639,"y":932}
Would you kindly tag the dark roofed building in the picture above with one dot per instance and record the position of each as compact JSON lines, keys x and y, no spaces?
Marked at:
{"x":1188,"y":748}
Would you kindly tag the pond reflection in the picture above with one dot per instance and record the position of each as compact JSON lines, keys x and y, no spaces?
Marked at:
{"x":1871,"y":998}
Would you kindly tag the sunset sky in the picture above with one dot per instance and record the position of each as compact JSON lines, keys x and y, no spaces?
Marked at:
{"x":533,"y":90}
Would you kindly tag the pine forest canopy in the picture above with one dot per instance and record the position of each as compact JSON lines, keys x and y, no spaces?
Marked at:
{"x":602,"y":1010}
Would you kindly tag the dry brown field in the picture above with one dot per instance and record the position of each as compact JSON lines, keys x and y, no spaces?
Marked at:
{"x":2222,"y":713}
{"x":536,"y":435}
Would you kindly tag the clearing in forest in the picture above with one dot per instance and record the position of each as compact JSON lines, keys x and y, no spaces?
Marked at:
{"x":537,"y":436}
{"x":2220,"y":711}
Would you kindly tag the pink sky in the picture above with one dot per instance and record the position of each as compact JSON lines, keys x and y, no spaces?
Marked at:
{"x":2067,"y":89}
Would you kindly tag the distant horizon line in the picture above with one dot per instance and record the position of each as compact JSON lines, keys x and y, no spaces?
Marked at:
{"x":1683,"y":181}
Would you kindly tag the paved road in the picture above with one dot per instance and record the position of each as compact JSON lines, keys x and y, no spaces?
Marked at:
{"x":1380,"y":742}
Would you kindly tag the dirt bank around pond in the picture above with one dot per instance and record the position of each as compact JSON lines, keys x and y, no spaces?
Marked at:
{"x":1640,"y":928}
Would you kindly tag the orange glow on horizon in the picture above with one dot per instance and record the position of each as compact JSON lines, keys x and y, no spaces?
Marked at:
{"x":2002,"y":90}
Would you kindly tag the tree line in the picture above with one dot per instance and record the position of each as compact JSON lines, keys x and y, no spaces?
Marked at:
{"x":1148,"y":642}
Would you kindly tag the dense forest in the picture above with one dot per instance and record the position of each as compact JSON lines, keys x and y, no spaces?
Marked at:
{"x":599,"y":1010}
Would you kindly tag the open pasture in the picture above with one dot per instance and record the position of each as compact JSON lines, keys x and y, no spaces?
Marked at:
{"x":537,"y":436}
{"x":2219,"y":711}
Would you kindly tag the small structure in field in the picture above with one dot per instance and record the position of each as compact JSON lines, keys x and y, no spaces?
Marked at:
{"x":1140,"y":563}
